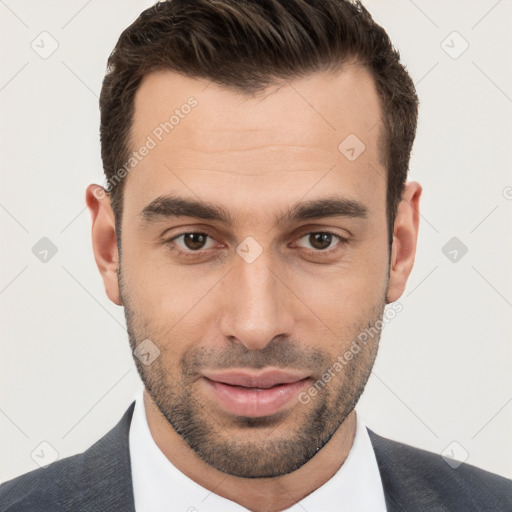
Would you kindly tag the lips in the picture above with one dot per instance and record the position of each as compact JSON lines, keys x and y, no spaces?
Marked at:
{"x":264,"y":380}
{"x":254,"y":395}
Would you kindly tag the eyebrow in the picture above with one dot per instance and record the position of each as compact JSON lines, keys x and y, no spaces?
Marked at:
{"x":165,"y":207}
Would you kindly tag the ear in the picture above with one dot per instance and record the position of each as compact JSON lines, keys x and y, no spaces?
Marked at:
{"x":104,"y":239}
{"x":405,"y":236}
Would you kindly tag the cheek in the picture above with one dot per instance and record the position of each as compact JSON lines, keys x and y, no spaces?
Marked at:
{"x":340,"y":303}
{"x":170,"y":305}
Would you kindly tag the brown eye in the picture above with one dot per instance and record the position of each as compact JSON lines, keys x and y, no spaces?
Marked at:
{"x":321,"y":240}
{"x":191,"y":243}
{"x":194,"y":241}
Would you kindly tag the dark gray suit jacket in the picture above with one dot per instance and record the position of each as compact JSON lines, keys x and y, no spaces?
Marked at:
{"x":99,"y":480}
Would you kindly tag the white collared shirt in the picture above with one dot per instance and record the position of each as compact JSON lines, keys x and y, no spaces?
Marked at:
{"x":159,"y":486}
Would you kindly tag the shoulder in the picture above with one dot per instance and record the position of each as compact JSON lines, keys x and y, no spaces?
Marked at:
{"x":97,"y":479}
{"x":413,"y":477}
{"x":43,"y":488}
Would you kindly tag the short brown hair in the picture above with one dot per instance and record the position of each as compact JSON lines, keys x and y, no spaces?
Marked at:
{"x":249,"y":45}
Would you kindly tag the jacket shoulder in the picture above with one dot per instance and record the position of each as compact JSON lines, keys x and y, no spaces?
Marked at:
{"x":97,"y":479}
{"x":42,"y":488}
{"x":416,"y":479}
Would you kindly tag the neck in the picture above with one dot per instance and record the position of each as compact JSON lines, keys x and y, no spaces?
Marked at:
{"x":256,"y":494}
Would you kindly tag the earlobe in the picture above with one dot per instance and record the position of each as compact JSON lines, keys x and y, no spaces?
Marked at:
{"x":104,"y":239}
{"x":405,"y":236}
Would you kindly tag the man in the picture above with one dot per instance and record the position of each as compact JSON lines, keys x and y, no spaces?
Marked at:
{"x":257,"y":221}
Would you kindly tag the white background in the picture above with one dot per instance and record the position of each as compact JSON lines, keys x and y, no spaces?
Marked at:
{"x":444,"y":366}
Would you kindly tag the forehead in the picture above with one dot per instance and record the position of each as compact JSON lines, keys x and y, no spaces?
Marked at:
{"x":207,"y":139}
{"x":308,"y":109}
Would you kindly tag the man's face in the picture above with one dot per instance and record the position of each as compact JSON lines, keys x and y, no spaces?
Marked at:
{"x":270,"y":290}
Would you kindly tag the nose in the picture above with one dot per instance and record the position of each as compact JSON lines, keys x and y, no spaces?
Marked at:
{"x":256,"y":304}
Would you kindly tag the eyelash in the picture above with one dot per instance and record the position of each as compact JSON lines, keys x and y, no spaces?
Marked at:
{"x":342,"y":241}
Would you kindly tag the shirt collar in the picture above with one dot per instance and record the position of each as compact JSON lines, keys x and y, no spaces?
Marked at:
{"x":159,"y":486}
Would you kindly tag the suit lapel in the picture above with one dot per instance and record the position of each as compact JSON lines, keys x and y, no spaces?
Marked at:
{"x":390,"y":480}
{"x":409,"y":478}
{"x":104,"y":478}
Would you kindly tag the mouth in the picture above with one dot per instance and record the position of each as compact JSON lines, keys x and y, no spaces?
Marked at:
{"x":254,"y":395}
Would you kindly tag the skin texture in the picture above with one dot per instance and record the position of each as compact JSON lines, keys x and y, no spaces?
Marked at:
{"x":296,"y":307}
